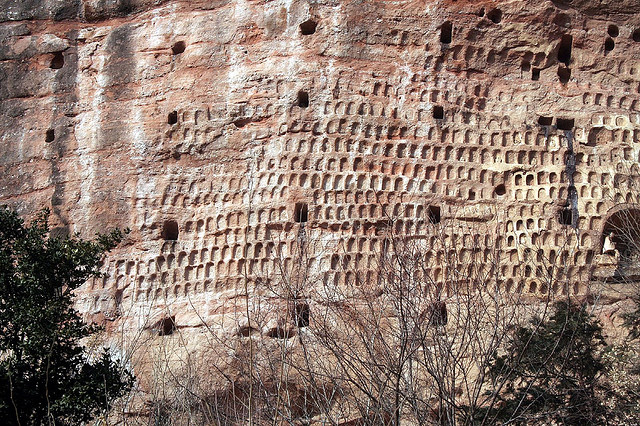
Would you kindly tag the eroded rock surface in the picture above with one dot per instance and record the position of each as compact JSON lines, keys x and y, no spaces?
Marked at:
{"x":222,"y":133}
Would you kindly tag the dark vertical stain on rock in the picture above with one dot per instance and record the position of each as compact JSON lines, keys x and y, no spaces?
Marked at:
{"x":570,"y":169}
{"x":65,"y":96}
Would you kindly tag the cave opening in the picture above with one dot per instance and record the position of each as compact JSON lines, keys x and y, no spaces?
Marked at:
{"x":302,"y":315}
{"x":565,"y":216}
{"x":609,"y":44}
{"x":166,"y":326}
{"x":57,"y":61}
{"x":434,"y":214}
{"x":545,"y":121}
{"x":621,"y":234}
{"x":564,"y":74}
{"x":178,"y":48}
{"x":495,"y":16}
{"x":172,"y":117}
{"x":303,"y":99}
{"x":564,"y":50}
{"x":308,"y":27}
{"x":50,"y":136}
{"x":535,"y":74}
{"x":301,"y":213}
{"x":169,"y":230}
{"x":565,"y":123}
{"x":438,"y":315}
{"x":446,"y":32}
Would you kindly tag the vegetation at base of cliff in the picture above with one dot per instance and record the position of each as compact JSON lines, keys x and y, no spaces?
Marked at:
{"x":409,"y":351}
{"x":552,"y":373}
{"x":46,"y":375}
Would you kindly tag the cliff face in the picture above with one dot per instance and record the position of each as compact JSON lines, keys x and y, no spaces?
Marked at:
{"x":224,"y":132}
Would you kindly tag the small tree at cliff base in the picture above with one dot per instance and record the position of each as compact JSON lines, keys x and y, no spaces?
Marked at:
{"x":46,"y":375}
{"x":552,"y":373}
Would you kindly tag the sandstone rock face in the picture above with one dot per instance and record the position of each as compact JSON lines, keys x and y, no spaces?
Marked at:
{"x":223,"y":133}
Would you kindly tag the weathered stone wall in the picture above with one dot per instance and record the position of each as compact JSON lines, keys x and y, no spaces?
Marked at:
{"x":219,"y":118}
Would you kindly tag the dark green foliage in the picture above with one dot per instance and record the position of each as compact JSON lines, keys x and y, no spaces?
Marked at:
{"x":550,"y":372}
{"x":632,"y":320}
{"x":45,"y":375}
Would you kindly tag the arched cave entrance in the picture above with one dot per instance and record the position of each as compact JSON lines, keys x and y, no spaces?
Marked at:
{"x":621,"y":239}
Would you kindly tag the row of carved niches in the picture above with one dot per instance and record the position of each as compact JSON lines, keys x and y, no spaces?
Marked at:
{"x":350,"y":269}
{"x":342,"y":157}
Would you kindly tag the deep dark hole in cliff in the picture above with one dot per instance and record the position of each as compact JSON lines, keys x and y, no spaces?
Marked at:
{"x":525,"y":66}
{"x":57,"y":61}
{"x":167,"y":326}
{"x":562,"y":20}
{"x":565,"y":217}
{"x":545,"y":121}
{"x":613,"y":30}
{"x":178,"y":47}
{"x":609,"y":44}
{"x":564,"y":74}
{"x":438,"y":112}
{"x":495,"y":16}
{"x":170,"y":230}
{"x":50,"y":136}
{"x":500,"y":190}
{"x":303,"y":315}
{"x":246,"y":331}
{"x":241,"y":122}
{"x":480,"y":13}
{"x":564,"y":51}
{"x":434,"y":214}
{"x":438,"y":314}
{"x":172,"y":117}
{"x":279,"y":333}
{"x":308,"y":27}
{"x":445,"y":32}
{"x":535,"y":74}
{"x":636,"y":35}
{"x":565,"y":123}
{"x":303,"y":99}
{"x":301,"y":213}
{"x":623,"y":229}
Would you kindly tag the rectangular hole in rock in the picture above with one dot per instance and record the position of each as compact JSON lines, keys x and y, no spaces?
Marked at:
{"x":50,"y":136}
{"x":445,"y":32}
{"x":565,"y":123}
{"x":57,"y":61}
{"x":166,"y":326}
{"x":434,"y":214}
{"x":301,"y":213}
{"x":564,"y":74}
{"x":545,"y":121}
{"x":565,"y":217}
{"x":535,"y":74}
{"x":438,"y":314}
{"x":564,"y":50}
{"x":303,"y":99}
{"x":172,"y":117}
{"x":303,"y":315}
{"x":169,"y":230}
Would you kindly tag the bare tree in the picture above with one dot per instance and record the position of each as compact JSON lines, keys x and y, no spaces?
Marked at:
{"x":401,"y":327}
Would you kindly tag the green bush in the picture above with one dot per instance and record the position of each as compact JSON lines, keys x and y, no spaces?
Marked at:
{"x":550,"y":372}
{"x":46,"y":375}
